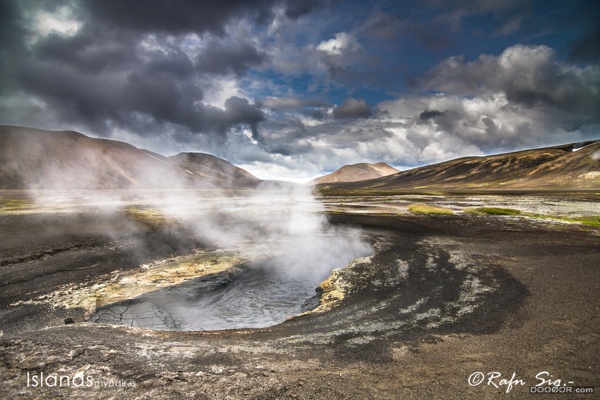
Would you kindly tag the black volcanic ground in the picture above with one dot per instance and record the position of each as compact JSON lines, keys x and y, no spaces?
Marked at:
{"x":438,"y":298}
{"x":442,"y":298}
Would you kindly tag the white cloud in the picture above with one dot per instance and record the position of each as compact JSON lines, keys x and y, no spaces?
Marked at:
{"x":276,"y":170}
{"x":341,"y":43}
{"x":60,"y":22}
{"x":493,"y":104}
{"x":165,"y":87}
{"x":528,"y":76}
{"x":220,"y":89}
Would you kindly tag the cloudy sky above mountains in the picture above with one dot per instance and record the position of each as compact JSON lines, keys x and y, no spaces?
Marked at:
{"x":296,"y":89}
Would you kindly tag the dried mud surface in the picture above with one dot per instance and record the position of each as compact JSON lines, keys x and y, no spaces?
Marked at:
{"x":443,"y":297}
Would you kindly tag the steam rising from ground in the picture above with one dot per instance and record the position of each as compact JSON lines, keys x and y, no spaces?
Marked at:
{"x":279,"y":229}
{"x":282,"y":224}
{"x":279,"y":222}
{"x":220,"y":203}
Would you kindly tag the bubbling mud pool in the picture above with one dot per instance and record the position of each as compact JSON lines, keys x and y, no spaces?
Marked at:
{"x":246,"y":298}
{"x":257,"y":293}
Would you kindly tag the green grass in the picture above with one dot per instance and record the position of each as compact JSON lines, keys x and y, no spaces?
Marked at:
{"x":420,"y":208}
{"x":493,"y":211}
{"x":153,"y":218}
{"x":587,"y":220}
{"x":590,"y":220}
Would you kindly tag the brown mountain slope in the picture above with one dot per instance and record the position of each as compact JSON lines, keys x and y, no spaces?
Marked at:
{"x":566,"y":167}
{"x":39,"y":159}
{"x":214,"y":169}
{"x":357,"y":172}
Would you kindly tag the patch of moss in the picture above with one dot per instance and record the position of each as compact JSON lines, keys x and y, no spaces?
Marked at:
{"x":14,"y":204}
{"x":493,"y":211}
{"x":589,"y":220}
{"x":420,"y":208}
{"x":151,"y":217}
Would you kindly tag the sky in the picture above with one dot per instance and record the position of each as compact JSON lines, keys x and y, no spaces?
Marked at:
{"x":296,"y":89}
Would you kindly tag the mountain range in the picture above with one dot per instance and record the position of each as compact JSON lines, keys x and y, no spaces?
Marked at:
{"x":565,"y":167}
{"x":39,"y":159}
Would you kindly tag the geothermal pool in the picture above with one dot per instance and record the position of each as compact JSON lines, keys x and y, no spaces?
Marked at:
{"x":284,"y":247}
{"x":278,"y":280}
{"x":255,"y":298}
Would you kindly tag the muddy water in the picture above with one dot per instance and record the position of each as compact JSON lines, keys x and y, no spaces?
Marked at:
{"x":255,"y":299}
{"x":249,"y":297}
{"x":257,"y":294}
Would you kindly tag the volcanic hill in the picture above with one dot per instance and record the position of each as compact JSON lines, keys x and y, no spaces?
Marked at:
{"x":357,"y":172}
{"x":566,"y":167}
{"x":40,"y":159}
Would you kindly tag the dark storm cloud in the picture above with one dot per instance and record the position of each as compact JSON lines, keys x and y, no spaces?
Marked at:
{"x":181,"y":16}
{"x":255,"y":80}
{"x":72,"y":96}
{"x":289,"y":137}
{"x":154,"y":92}
{"x":163,"y":97}
{"x":240,"y":111}
{"x":10,"y":28}
{"x":343,"y":136}
{"x":127,"y":65}
{"x":10,"y":32}
{"x":353,"y":108}
{"x":175,"y":16}
{"x":429,"y":114}
{"x":295,"y":9}
{"x":172,"y":62}
{"x":92,"y":50}
{"x":290,"y":148}
{"x":440,"y":30}
{"x":229,"y":58}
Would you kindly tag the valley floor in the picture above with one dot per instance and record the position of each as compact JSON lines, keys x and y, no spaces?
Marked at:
{"x":446,"y":303}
